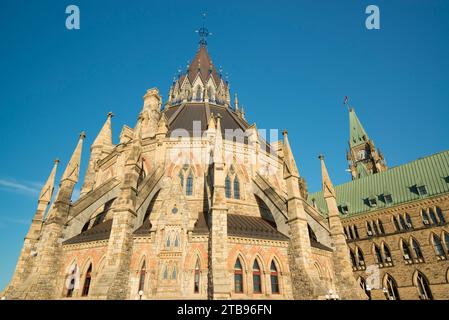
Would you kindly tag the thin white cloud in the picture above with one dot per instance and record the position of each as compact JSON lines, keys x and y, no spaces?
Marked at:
{"x":30,"y":188}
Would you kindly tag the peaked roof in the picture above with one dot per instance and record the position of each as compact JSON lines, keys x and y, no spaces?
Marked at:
{"x":202,"y":64}
{"x":356,"y":130}
{"x":400,"y":182}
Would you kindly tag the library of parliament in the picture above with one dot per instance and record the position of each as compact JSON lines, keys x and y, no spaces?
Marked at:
{"x":193,"y":203}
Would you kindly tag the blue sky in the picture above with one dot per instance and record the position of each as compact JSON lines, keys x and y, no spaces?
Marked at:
{"x":291,"y":62}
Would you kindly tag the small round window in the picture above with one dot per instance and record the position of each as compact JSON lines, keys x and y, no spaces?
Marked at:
{"x":174,"y":210}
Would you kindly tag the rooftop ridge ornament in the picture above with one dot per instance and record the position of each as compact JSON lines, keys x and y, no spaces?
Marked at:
{"x":203,"y":32}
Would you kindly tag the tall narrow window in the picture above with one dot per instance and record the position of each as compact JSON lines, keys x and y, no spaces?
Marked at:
{"x":238,"y":277}
{"x":174,"y":273}
{"x":274,"y":278}
{"x":165,"y":272}
{"x":142,"y":274}
{"x":440,"y":215}
{"x":376,"y":230}
{"x":236,"y":188}
{"x":196,"y":287}
{"x":257,"y":283}
{"x":167,"y":240}
{"x":228,"y":187}
{"x":346,"y":232}
{"x":369,"y":229}
{"x":391,"y":288}
{"x":438,"y":246}
{"x":422,"y":284}
{"x":433,"y":217}
{"x":362,"y":283}
{"x":446,"y":241}
{"x":425,"y":217}
{"x":87,"y":281}
{"x":405,"y":250}
{"x":351,"y":233}
{"x":360,"y":257}
{"x":381,"y":226}
{"x":396,"y":224}
{"x":352,"y":256}
{"x":387,"y":253}
{"x":189,"y":187}
{"x":177,"y":240}
{"x":417,"y":249}
{"x":71,"y":288}
{"x":408,"y":219}
{"x":378,"y":255}
{"x":356,"y":232}
{"x":402,"y":222}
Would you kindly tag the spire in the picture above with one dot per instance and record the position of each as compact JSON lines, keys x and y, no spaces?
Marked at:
{"x":47,"y":189}
{"x":328,"y":188}
{"x":236,"y":102}
{"x":290,"y":167}
{"x":73,"y":167}
{"x":357,"y":132}
{"x":104,"y":137}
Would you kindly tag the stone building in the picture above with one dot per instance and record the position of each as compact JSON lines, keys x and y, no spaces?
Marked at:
{"x":395,"y":221}
{"x":193,"y":203}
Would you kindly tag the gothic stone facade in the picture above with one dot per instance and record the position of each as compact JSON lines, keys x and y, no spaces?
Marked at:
{"x":181,"y":209}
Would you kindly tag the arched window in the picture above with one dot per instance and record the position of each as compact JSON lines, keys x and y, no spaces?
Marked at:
{"x":360,"y":257}
{"x":196,"y":286}
{"x":238,"y":276}
{"x":402,"y":222}
{"x":345,"y":229}
{"x":387,"y":253}
{"x":142,"y":274}
{"x":362,"y":283}
{"x":417,"y":249}
{"x":446,"y":241}
{"x":176,"y":240}
{"x":167,"y":241}
{"x":174,"y":273}
{"x":423,"y":286}
{"x":71,"y":284}
{"x":356,"y":232}
{"x":408,"y":219}
{"x":165,"y":272}
{"x":425,"y":217}
{"x":351,"y":233}
{"x":236,"y":188}
{"x":440,"y":215}
{"x":257,"y":280}
{"x":405,"y":250}
{"x":433,"y":217}
{"x":352,"y":256}
{"x":376,"y":230}
{"x":228,"y":187}
{"x":274,"y":278}
{"x":391,"y":288}
{"x":189,"y":186}
{"x":396,"y":224}
{"x":438,"y":246}
{"x":378,"y":255}
{"x":381,"y":226}
{"x":369,"y":229}
{"x":87,"y":281}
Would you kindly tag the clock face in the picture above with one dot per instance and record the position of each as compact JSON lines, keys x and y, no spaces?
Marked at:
{"x":361,"y":155}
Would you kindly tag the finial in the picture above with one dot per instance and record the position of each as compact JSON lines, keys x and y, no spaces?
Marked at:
{"x":57,"y":161}
{"x":203,"y":32}
{"x":285,"y":132}
{"x":218,"y":116}
{"x":110,"y":114}
{"x":82,"y":135}
{"x":321,"y":157}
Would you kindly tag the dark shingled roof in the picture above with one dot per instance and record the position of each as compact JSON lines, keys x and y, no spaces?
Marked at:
{"x":144,"y":229}
{"x":253,"y":227}
{"x":101,"y":231}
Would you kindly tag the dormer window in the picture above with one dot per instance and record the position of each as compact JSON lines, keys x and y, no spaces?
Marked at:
{"x":372,"y":202}
{"x":422,"y":190}
{"x":344,"y":209}
{"x":388,"y":198}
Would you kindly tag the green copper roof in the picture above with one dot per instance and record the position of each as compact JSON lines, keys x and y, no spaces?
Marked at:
{"x":401,"y":182}
{"x":356,"y":129}
{"x":362,"y":171}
